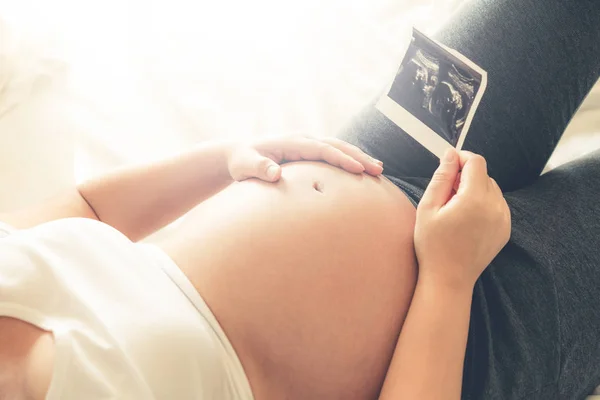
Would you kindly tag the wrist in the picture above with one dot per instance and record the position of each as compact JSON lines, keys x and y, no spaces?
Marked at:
{"x":443,"y":297}
{"x":454,"y":285}
{"x":216,"y":154}
{"x":227,"y":149}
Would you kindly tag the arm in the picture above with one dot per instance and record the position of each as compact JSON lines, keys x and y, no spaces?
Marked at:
{"x":457,"y":234}
{"x":140,"y":200}
{"x":429,"y":356}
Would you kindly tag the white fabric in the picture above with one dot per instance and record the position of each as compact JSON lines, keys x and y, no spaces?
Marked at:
{"x":122,"y":328}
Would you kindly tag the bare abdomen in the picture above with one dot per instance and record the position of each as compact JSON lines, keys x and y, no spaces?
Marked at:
{"x":310,"y":278}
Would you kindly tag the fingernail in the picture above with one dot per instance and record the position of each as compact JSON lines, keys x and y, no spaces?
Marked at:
{"x":376,"y":161}
{"x":449,"y":155}
{"x":271,"y":171}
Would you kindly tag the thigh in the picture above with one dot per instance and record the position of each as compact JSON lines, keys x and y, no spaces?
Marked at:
{"x":557,"y":219}
{"x":542,"y":58}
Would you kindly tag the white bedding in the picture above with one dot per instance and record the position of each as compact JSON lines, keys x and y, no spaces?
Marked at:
{"x":88,"y":86}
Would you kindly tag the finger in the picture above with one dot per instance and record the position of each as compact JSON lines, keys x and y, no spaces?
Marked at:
{"x":474,"y":171}
{"x":335,"y":156}
{"x":495,"y":187}
{"x":316,"y":150}
{"x":372,"y":165}
{"x":466,"y":155}
{"x":439,"y":189}
{"x":456,"y":182}
{"x":251,"y":164}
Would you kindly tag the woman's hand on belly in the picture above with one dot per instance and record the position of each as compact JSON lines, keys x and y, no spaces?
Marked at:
{"x":261,"y":158}
{"x":310,"y":277}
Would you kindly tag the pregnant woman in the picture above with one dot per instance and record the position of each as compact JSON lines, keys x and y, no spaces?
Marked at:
{"x":312,"y":282}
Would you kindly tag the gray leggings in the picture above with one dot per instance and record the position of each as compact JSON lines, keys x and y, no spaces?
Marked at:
{"x":535,"y":321}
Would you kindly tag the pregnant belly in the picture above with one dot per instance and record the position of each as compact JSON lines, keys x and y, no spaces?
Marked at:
{"x":310,"y":277}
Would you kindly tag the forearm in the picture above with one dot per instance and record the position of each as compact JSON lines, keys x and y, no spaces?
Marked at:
{"x":429,"y":357}
{"x":140,"y":200}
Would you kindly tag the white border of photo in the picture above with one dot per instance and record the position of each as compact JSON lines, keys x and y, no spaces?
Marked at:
{"x":418,"y":130}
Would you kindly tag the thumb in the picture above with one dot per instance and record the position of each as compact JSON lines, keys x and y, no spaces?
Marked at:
{"x":440,"y":187}
{"x":251,"y":164}
{"x":268,"y":170}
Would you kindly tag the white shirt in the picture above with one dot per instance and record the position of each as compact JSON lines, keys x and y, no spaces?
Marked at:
{"x":123,"y":329}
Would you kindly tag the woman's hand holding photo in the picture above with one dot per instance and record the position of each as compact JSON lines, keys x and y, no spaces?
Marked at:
{"x":458,"y":233}
{"x":462,"y":223}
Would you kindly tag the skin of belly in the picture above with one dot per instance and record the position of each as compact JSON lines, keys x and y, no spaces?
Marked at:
{"x":310,"y":278}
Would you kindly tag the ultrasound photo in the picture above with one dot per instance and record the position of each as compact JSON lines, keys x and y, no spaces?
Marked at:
{"x":440,"y":88}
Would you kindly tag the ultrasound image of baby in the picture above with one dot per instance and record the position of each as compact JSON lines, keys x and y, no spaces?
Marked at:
{"x":436,"y":87}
